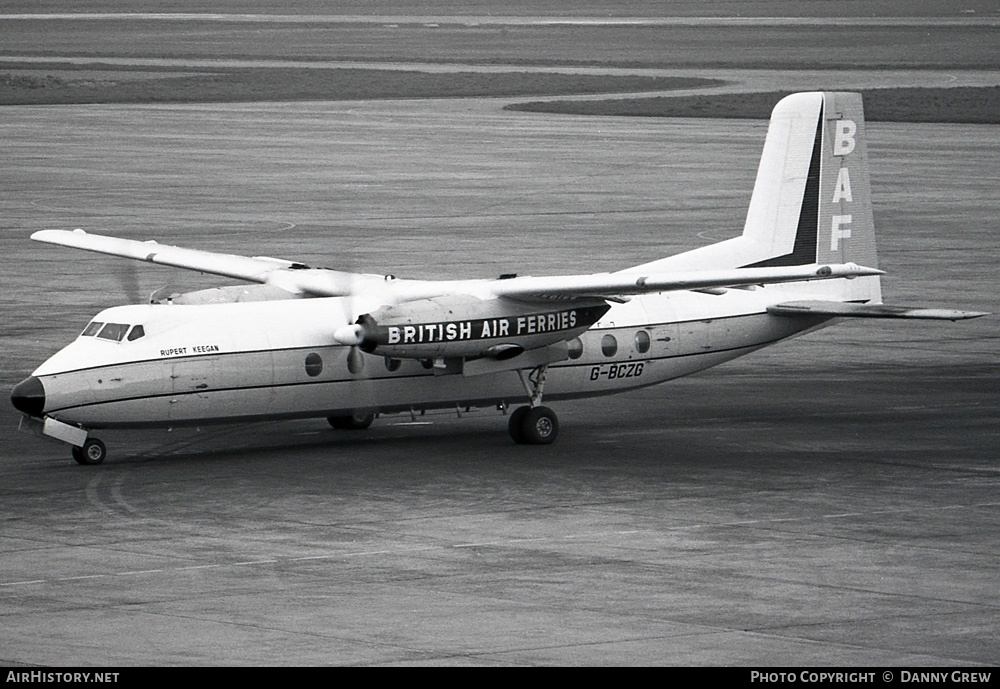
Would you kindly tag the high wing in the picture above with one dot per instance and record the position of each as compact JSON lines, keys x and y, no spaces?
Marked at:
{"x":610,"y":286}
{"x":230,"y":265}
{"x":297,"y":278}
{"x":300,"y":279}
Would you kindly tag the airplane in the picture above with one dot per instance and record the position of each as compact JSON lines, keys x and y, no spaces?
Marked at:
{"x":302,"y":342}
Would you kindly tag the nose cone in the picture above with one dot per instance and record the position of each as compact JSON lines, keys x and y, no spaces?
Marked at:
{"x":28,"y":396}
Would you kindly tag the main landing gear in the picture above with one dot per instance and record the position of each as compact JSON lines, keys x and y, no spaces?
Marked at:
{"x":358,"y":421}
{"x":92,"y":452}
{"x":535,"y":424}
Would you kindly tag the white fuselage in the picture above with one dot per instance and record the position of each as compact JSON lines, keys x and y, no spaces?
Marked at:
{"x":222,"y":362}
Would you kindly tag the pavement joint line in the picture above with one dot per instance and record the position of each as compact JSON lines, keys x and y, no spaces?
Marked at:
{"x":602,"y":533}
{"x":388,"y":551}
{"x":140,"y":571}
{"x":500,"y":542}
{"x":508,"y":541}
{"x":23,"y":583}
{"x":330,"y":556}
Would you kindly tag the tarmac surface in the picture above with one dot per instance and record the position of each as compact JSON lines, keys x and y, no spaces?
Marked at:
{"x":832,"y":500}
{"x":829,"y":501}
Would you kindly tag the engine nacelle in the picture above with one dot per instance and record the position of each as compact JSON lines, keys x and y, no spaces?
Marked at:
{"x":467,"y":327}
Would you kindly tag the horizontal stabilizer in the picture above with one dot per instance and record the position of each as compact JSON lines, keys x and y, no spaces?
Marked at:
{"x":848,"y":310}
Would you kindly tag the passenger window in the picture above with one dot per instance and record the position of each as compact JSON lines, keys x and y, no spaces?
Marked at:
{"x":135,"y":333}
{"x":609,"y":345}
{"x":642,"y":342}
{"x":92,"y":329}
{"x":113,"y":331}
{"x":314,"y":364}
{"x":575,"y":348}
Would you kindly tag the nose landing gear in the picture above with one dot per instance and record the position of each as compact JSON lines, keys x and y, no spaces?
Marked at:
{"x":86,"y":450}
{"x":92,"y":452}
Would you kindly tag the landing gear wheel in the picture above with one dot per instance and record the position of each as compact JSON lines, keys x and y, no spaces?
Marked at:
{"x":533,"y":426}
{"x":540,"y":426}
{"x":515,"y":424}
{"x":92,"y":452}
{"x":352,"y":422}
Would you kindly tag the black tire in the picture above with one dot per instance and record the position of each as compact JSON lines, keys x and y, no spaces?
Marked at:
{"x":358,"y":421}
{"x":93,"y":452}
{"x":515,"y":424}
{"x":540,"y":426}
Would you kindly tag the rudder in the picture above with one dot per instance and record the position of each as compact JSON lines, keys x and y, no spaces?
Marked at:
{"x":845,"y":208}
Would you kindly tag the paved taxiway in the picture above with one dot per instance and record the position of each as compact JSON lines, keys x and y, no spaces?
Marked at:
{"x":730,"y":80}
{"x":832,"y":500}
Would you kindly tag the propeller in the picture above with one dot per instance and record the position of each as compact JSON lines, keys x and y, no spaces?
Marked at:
{"x":360,"y":337}
{"x":128,"y":280}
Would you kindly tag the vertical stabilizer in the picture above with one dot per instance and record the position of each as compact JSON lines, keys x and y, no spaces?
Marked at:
{"x":811,"y":201}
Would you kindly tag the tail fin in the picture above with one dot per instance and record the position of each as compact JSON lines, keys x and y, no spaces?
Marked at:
{"x":811,"y":201}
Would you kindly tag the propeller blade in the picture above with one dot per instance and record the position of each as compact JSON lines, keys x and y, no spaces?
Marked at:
{"x":128,"y":280}
{"x":355,"y":360}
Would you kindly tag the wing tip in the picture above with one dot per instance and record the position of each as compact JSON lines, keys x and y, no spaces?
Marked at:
{"x":46,"y":235}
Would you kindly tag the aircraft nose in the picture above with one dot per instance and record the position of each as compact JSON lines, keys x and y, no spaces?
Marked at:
{"x":28,"y":396}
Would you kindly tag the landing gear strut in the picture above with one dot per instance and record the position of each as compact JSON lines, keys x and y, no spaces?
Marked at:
{"x":92,"y":452}
{"x":535,"y":424}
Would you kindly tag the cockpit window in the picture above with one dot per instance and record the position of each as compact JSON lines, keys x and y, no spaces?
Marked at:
{"x":135,"y":333}
{"x":113,"y":331}
{"x":92,"y":329}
